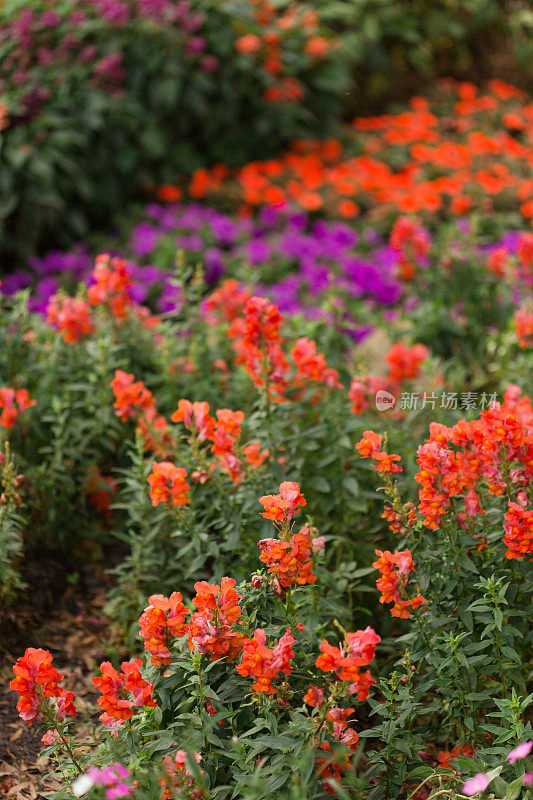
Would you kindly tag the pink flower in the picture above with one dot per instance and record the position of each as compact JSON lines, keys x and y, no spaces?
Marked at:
{"x":50,"y":737}
{"x":476,"y":784}
{"x":521,"y":751}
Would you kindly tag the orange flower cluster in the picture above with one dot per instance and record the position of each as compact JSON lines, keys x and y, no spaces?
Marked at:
{"x":71,"y":316}
{"x":211,"y":626}
{"x":395,"y":568}
{"x":311,"y":366}
{"x":227,"y":431}
{"x":161,"y":621}
{"x":226,"y":304}
{"x":463,"y":459}
{"x":445,"y":756}
{"x":369,"y":447}
{"x":290,"y":561}
{"x":254,"y":330}
{"x":35,"y":681}
{"x":134,"y":401}
{"x":412,"y":243}
{"x":345,"y":661}
{"x":13,"y":402}
{"x":99,"y":489}
{"x":273,"y":25}
{"x":111,"y":285}
{"x":168,"y":482}
{"x":468,"y":150}
{"x":263,"y":663}
{"x":131,"y":397}
{"x":403,"y":364}
{"x":195,"y":417}
{"x":223,"y":433}
{"x":331,"y":767}
{"x":523,"y":321}
{"x":280,"y":508}
{"x":258,"y":346}
{"x":518,"y":529}
{"x":115,"y":686}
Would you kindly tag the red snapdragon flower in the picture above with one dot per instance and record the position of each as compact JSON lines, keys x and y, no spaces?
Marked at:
{"x":133,"y":400}
{"x":357,"y":650}
{"x":254,"y":455}
{"x":404,"y":362}
{"x":518,"y":529}
{"x":312,"y":366}
{"x":195,"y":417}
{"x":289,"y":561}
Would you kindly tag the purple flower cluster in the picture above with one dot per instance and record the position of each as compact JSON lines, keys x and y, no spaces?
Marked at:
{"x":44,"y":48}
{"x":302,"y":266}
{"x":305,"y":260}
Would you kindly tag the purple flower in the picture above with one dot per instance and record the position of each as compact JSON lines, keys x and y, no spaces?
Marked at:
{"x":214,"y":266}
{"x":196,"y":45}
{"x":209,"y":64}
{"x":224,"y":230}
{"x":15,"y":282}
{"x":143,"y":239}
{"x":476,"y":784}
{"x":520,"y":751}
{"x":114,"y":11}
{"x":258,"y":251}
{"x":46,"y":288}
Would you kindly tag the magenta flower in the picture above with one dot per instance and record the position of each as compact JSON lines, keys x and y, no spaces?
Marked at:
{"x":521,"y":751}
{"x":476,"y":784}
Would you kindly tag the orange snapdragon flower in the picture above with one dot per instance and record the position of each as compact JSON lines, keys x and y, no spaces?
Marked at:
{"x":117,"y":687}
{"x":345,"y":661}
{"x":162,"y":621}
{"x":71,"y":316}
{"x":14,"y":403}
{"x":289,"y":561}
{"x":395,"y":568}
{"x":263,"y":663}
{"x":111,"y":286}
{"x":36,"y":681}
{"x":168,"y":483}
{"x":281,"y":507}
{"x":211,"y":629}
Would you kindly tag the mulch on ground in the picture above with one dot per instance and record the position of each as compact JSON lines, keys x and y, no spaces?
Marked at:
{"x":65,"y":618}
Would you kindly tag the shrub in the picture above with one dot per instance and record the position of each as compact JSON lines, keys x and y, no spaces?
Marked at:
{"x":248,"y":690}
{"x":101,"y":98}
